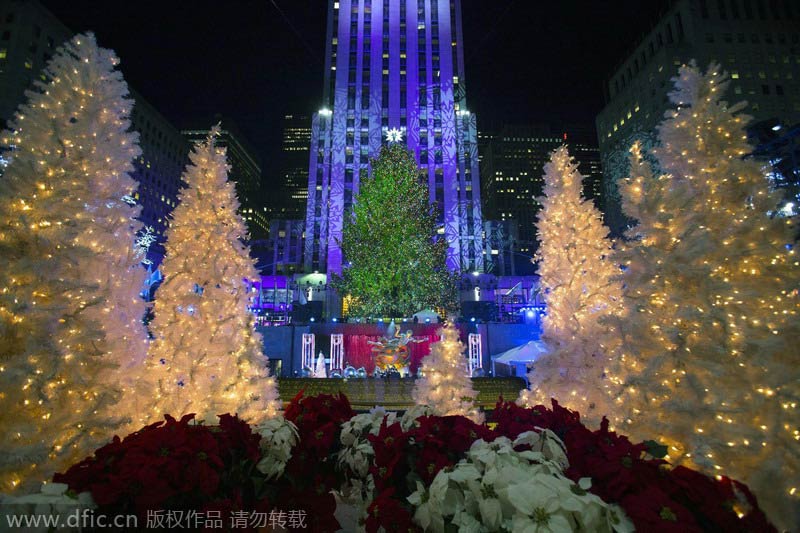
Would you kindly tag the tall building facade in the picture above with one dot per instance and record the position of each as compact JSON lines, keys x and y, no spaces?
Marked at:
{"x":512,"y":168}
{"x":582,"y":142}
{"x":295,"y":142}
{"x":245,"y":172}
{"x":286,"y":246}
{"x":755,"y":41}
{"x":158,"y":170}
{"x":394,"y":72}
{"x":29,"y":35}
{"x":500,"y":239}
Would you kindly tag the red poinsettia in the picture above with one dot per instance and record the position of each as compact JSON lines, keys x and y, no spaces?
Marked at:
{"x":173,"y":465}
{"x":404,"y":457}
{"x":652,"y":510}
{"x":655,"y":497}
{"x":388,"y":512}
{"x":311,"y":473}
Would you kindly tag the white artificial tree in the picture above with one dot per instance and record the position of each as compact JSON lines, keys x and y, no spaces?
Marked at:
{"x":709,"y":354}
{"x":206,"y":357}
{"x":578,"y":280}
{"x":445,"y":385}
{"x":70,"y":312}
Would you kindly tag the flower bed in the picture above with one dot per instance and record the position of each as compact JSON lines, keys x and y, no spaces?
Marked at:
{"x":528,"y":469}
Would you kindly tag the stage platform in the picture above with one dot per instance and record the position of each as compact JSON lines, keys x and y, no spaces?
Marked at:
{"x":392,"y":394}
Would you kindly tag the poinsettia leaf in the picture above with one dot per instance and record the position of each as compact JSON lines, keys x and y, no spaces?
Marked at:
{"x":577,"y":490}
{"x":659,"y":451}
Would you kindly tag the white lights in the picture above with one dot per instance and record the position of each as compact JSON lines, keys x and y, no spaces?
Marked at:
{"x":394,"y":135}
{"x":788,"y":210}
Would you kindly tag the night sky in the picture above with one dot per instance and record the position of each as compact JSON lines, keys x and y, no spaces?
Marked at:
{"x":526,"y":60}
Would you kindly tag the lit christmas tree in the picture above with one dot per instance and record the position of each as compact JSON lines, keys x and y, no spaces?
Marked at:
{"x":206,"y":357}
{"x":394,"y":267}
{"x":710,"y":338}
{"x":577,"y":277}
{"x":445,"y":385}
{"x":70,"y":314}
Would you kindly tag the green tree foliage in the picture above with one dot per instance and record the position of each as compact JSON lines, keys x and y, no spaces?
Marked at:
{"x":393,"y":265}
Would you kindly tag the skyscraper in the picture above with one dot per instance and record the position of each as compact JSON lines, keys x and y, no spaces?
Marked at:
{"x":512,"y":166}
{"x":756,"y":42}
{"x":394,"y":72}
{"x":293,"y":168}
{"x":245,"y":172}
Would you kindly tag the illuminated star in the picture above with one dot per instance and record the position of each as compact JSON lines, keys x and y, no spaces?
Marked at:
{"x":394,"y":135}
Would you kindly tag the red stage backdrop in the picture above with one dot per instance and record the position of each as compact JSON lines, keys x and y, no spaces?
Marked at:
{"x":358,"y":353}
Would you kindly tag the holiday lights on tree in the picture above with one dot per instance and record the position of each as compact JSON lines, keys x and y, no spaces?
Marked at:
{"x":709,"y":355}
{"x":393,"y":266}
{"x":70,"y":312}
{"x":206,"y":357}
{"x":576,"y":275}
{"x":445,"y":385}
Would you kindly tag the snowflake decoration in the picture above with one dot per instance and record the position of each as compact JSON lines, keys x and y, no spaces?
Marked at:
{"x":143,"y":242}
{"x":394,"y":135}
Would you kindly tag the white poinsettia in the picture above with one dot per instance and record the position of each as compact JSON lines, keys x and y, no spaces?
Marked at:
{"x":278,"y":437}
{"x":409,"y":418}
{"x":427,"y":514}
{"x":496,"y":488}
{"x":357,"y":452}
{"x":547,"y":443}
{"x":355,"y":458}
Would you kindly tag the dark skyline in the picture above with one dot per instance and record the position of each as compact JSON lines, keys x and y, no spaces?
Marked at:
{"x":257,"y":61}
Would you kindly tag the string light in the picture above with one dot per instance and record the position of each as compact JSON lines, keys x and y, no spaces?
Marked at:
{"x":578,"y":280}
{"x":445,"y":385}
{"x":206,"y":357}
{"x":59,"y":320}
{"x":712,"y":274}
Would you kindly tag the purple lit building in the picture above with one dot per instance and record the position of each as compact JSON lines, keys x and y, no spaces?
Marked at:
{"x":394,"y":72}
